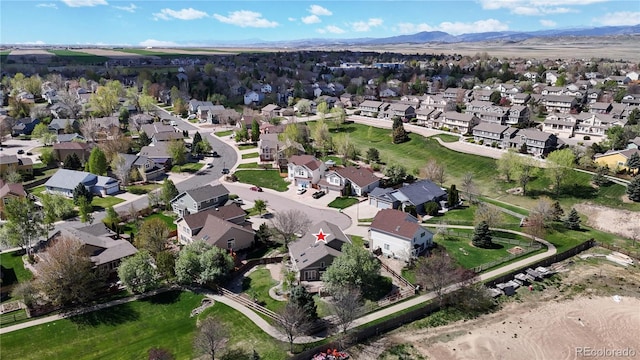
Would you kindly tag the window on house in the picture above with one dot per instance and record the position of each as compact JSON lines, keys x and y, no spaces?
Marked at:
{"x":423,"y":234}
{"x":386,"y":246}
{"x":322,"y":265}
{"x":231,"y":243}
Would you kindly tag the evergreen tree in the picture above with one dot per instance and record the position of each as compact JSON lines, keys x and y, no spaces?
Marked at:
{"x":482,"y":236}
{"x":633,"y":189}
{"x":81,"y":191}
{"x":300,"y":297}
{"x":197,"y":138}
{"x":599,"y":178}
{"x":557,"y":212}
{"x":97,"y":162}
{"x":634,"y":162}
{"x":144,"y":139}
{"x":572,"y":221}
{"x":453,"y":197}
{"x":72,"y":162}
{"x":255,"y":131}
{"x":523,"y":149}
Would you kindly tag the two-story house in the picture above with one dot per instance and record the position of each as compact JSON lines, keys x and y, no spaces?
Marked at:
{"x":315,"y":251}
{"x":486,"y":111}
{"x":559,"y":103}
{"x":270,"y":111}
{"x":600,"y":108}
{"x":596,"y":124}
{"x":403,"y":111}
{"x":398,"y":234}
{"x":491,"y":133}
{"x":562,"y":125}
{"x":9,"y":191}
{"x":305,"y":170}
{"x":13,"y":163}
{"x":253,"y":98}
{"x":457,"y":122}
{"x":538,"y":143}
{"x":360,"y":181}
{"x":372,"y":108}
{"x":271,"y":149}
{"x":145,"y":167}
{"x":58,"y":126}
{"x":63,"y":149}
{"x":190,"y":225}
{"x":199,"y":199}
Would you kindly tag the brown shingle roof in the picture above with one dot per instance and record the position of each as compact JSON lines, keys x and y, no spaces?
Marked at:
{"x":227,"y":212}
{"x":73,"y":145}
{"x":306,"y":160}
{"x":359,"y":176}
{"x":396,"y":223}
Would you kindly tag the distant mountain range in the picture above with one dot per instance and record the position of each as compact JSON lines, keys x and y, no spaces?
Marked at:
{"x":443,"y":37}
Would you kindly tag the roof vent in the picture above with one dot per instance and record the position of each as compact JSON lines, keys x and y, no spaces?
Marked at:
{"x":217,"y":209}
{"x":398,"y":228}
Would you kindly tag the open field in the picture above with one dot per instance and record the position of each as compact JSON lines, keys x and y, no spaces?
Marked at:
{"x":110,"y":53}
{"x":79,"y":56}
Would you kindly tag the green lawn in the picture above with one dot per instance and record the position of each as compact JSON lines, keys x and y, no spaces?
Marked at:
{"x":79,"y":57}
{"x":254,"y":165}
{"x":447,"y":137}
{"x":467,"y":255}
{"x":507,"y":206}
{"x":190,"y":168}
{"x":13,"y":270}
{"x":165,"y":218}
{"x":336,"y":159}
{"x":247,"y":146}
{"x":343,"y":202}
{"x":37,"y":190}
{"x":224,"y":133}
{"x":106,"y":201}
{"x":357,"y":240}
{"x":269,"y":179}
{"x":142,"y":189}
{"x":250,"y":155}
{"x":123,"y":332}
{"x":257,"y":286}
{"x":465,"y":216}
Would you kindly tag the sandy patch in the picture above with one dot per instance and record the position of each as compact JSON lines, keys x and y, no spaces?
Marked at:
{"x":30,"y":52}
{"x":551,"y":331}
{"x":620,"y":222}
{"x":109,"y":53}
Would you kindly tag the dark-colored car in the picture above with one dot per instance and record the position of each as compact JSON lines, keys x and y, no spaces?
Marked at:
{"x":256,"y":188}
{"x":20,"y":151}
{"x":318,"y":194}
{"x":225,"y":171}
{"x":215,"y":154}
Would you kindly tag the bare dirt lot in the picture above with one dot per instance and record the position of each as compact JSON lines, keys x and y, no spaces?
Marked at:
{"x":30,"y":52}
{"x":109,"y":53}
{"x":594,"y":304}
{"x":620,"y":222}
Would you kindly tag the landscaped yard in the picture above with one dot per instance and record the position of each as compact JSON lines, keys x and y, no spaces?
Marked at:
{"x":269,"y":179}
{"x":357,"y":240}
{"x":250,"y":155}
{"x":343,"y":202}
{"x":336,"y":159}
{"x":224,"y":133}
{"x":123,"y":332}
{"x":257,"y":286}
{"x":254,"y":165}
{"x":467,"y":255}
{"x":465,"y":215}
{"x":105,"y":201}
{"x":133,"y":229}
{"x":188,"y":168}
{"x":142,"y":189}
{"x":37,"y":190}
{"x":13,"y":270}
{"x":247,"y":146}
{"x":448,"y":138}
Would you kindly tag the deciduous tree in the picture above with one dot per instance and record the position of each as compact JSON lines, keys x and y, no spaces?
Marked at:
{"x":97,"y":162}
{"x":507,"y":165}
{"x":526,"y":170}
{"x":255,"y":131}
{"x":396,"y":173}
{"x":120,"y":169}
{"x":288,"y":223}
{"x":293,"y":322}
{"x":434,"y":172}
{"x":168,"y":192}
{"x":438,"y":271}
{"x":373,"y":155}
{"x":346,"y":306}
{"x":260,"y":206}
{"x":211,"y":337}
{"x":138,"y":273}
{"x":152,"y":235}
{"x":355,"y":266}
{"x":24,"y":224}
{"x":85,"y":210}
{"x":55,"y":207}
{"x":559,"y":163}
{"x":202,"y":263}
{"x":178,"y":152}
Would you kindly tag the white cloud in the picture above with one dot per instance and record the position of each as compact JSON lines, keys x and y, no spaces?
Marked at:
{"x":619,"y":18}
{"x":84,"y":3}
{"x":246,"y":18}
{"x":331,"y":29}
{"x":131,"y":8}
{"x":37,"y":42}
{"x":364,"y":26}
{"x":157,"y":43}
{"x":548,"y":23}
{"x":48,"y":5}
{"x":454,"y":28}
{"x":411,"y":28}
{"x":536,"y":7}
{"x":319,"y":10}
{"x":183,"y":14}
{"x":311,"y":19}
{"x":291,"y":19}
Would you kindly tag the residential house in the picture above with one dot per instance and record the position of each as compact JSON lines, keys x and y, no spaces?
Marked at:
{"x":360,"y":180}
{"x":315,"y":251}
{"x":156,"y":128}
{"x":159,"y":153}
{"x":593,"y":95}
{"x":253,"y":98}
{"x":539,"y":143}
{"x":9,"y":191}
{"x":225,"y":234}
{"x":372,"y":108}
{"x":616,"y":159}
{"x":270,"y":111}
{"x":520,"y":98}
{"x":75,"y":137}
{"x":403,"y":111}
{"x":348,"y":100}
{"x":209,"y":113}
{"x":486,"y":111}
{"x":482,"y":95}
{"x":416,"y":194}
{"x":166,"y":137}
{"x":146,"y":168}
{"x":190,"y":225}
{"x":24,"y":126}
{"x":596,"y":124}
{"x":559,"y":103}
{"x":266,"y":89}
{"x":398,"y":235}
{"x":562,"y":125}
{"x":199,"y":199}
{"x":422,"y":116}
{"x":600,"y":108}
{"x":63,"y":149}
{"x":64,"y":181}
{"x":620,"y":80}
{"x":634,"y":143}
{"x":101,"y":244}
{"x":195,"y":104}
{"x":491,"y":134}
{"x":518,"y":115}
{"x":437,"y":102}
{"x":272,"y":149}
{"x":551,"y":77}
{"x":13,"y":163}
{"x":305,"y":170}
{"x":457,"y":122}
{"x":631,"y":99}
{"x":451,"y":94}
{"x":388,"y":92}
{"x":58,"y":126}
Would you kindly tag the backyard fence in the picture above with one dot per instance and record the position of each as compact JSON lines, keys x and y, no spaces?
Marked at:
{"x":629,"y":253}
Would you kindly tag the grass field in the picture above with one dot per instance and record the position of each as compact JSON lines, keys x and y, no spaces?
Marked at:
{"x":142,"y":189}
{"x":105,"y":202}
{"x":357,"y":240}
{"x":168,"y":220}
{"x":448,"y":138}
{"x":247,"y":146}
{"x":467,"y":255}
{"x":257,"y":286}
{"x":190,"y":168}
{"x":123,"y":332}
{"x":343,"y":202}
{"x":223,"y":133}
{"x":254,"y":165}
{"x":37,"y":190}
{"x":269,"y":179}
{"x":465,"y":216}
{"x":336,"y":159}
{"x":79,"y":57}
{"x":250,"y":155}
{"x":13,"y":270}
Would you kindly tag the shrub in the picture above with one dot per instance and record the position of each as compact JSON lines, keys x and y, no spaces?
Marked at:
{"x":431,"y":208}
{"x":494,"y":144}
{"x":481,"y":141}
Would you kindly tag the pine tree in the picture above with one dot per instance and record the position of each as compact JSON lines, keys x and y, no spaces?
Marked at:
{"x":453,"y":197}
{"x":634,"y":162}
{"x":81,"y":191}
{"x":482,"y":236}
{"x":197,"y":138}
{"x":398,"y":131}
{"x":302,"y":298}
{"x":97,"y":162}
{"x":633,"y":189}
{"x":72,"y":162}
{"x":572,"y":221}
{"x":557,"y":211}
{"x":599,"y":178}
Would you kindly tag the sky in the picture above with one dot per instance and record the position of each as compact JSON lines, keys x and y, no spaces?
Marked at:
{"x":197,"y":23}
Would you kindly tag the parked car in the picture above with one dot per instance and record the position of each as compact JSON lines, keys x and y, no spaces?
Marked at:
{"x":225,"y":171}
{"x":238,"y":201}
{"x":256,"y":188}
{"x":301,"y":191}
{"x":20,"y":151}
{"x":318,"y":194}
{"x":215,"y":154}
{"x":209,"y":165}
{"x":29,"y":153}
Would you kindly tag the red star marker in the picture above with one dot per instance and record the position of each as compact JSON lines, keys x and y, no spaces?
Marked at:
{"x":321,"y":236}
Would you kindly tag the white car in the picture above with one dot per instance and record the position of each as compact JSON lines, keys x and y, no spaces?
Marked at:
{"x":301,"y":191}
{"x":209,"y":166}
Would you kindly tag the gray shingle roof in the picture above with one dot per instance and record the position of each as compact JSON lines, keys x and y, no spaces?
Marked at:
{"x":306,"y":251}
{"x":490,"y":127}
{"x":207,"y":192}
{"x":69,"y":179}
{"x":421,"y":191}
